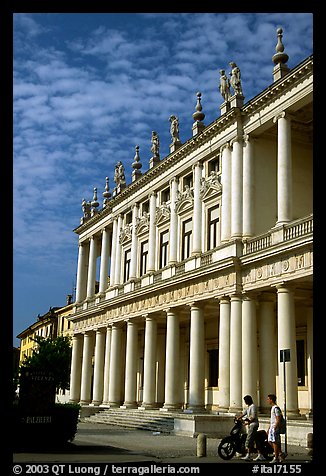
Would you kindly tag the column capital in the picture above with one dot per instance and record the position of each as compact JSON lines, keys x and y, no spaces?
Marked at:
{"x":196,"y":304}
{"x":223,"y":299}
{"x":266,"y":296}
{"x":174,"y":179}
{"x":197,"y":164}
{"x":237,"y":138}
{"x":250,"y":295}
{"x":284,"y":287}
{"x":225,"y":146}
{"x":282,"y":115}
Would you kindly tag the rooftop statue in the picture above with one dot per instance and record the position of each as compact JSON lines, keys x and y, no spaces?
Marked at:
{"x":235,"y":79}
{"x":119,"y":175}
{"x":155,"y":149}
{"x":224,"y":85}
{"x":174,"y":129}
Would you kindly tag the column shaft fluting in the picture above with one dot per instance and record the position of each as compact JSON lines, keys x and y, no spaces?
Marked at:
{"x":224,"y":354}
{"x":249,"y":347}
{"x":236,"y":189}
{"x":248,"y":188}
{"x":152,"y":234}
{"x":197,"y":359}
{"x":107,"y":358}
{"x":236,"y":402}
{"x":173,"y":241}
{"x":134,"y":243}
{"x":197,"y":211}
{"x":86,"y":377}
{"x":91,"y":277}
{"x":105,"y":253}
{"x":286,"y":336}
{"x":99,"y":367}
{"x":76,"y":365}
{"x":172,"y":376}
{"x":115,"y":367}
{"x":267,"y":349}
{"x":226,"y":194}
{"x":284,"y":169}
{"x":113,"y":251}
{"x":131,"y":365}
{"x":150,"y":362}
{"x":83,"y":254}
{"x":117,"y":274}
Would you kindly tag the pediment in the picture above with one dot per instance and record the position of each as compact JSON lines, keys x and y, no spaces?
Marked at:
{"x":210,"y":186}
{"x":163,"y":213}
{"x":184,"y":199}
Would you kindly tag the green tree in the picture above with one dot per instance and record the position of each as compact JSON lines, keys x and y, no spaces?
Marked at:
{"x":53,"y":354}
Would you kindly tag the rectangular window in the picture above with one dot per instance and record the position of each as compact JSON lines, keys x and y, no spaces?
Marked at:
{"x":213,"y":367}
{"x":145,"y":207}
{"x":164,"y":241}
{"x":165,"y":195}
{"x":126,"y":273}
{"x":188,"y":180}
{"x":213,"y":227}
{"x":143,"y":257}
{"x":186,"y":239}
{"x":214,"y":165}
{"x":301,"y":363}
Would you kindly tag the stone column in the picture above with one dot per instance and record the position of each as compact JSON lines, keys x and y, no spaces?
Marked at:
{"x":117,"y":274}
{"x":286,"y":336}
{"x":152,"y":233}
{"x":113,"y":251}
{"x":131,"y":365}
{"x":236,"y":402}
{"x":236,"y":189}
{"x":173,"y":245}
{"x":107,"y":357}
{"x":86,"y":377}
{"x":99,"y":366}
{"x":150,"y":363}
{"x":267,"y":349}
{"x":134,"y":243}
{"x":172,"y":360}
{"x":284,"y":169}
{"x":76,"y":364}
{"x":249,"y":346}
{"x":105,"y":253}
{"x":115,"y":366}
{"x":226,"y":194}
{"x":91,"y":277}
{"x":83,"y":253}
{"x":248,"y":188}
{"x":224,"y":354}
{"x":197,"y":359}
{"x":197,"y":211}
{"x":310,"y":357}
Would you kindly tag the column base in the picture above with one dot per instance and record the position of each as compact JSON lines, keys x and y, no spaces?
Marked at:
{"x":84,"y":402}
{"x":170,"y":407}
{"x":148,"y":406}
{"x":195,"y":409}
{"x":128,"y":405}
{"x":114,"y":404}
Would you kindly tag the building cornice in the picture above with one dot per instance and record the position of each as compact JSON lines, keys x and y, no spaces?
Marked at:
{"x":259,"y":102}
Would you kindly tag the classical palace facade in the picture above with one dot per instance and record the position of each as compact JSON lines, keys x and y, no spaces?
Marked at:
{"x":205,"y":263}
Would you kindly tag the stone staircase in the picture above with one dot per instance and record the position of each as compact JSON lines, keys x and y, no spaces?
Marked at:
{"x":150,"y":420}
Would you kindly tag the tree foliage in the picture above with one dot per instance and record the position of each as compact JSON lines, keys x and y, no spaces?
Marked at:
{"x":53,"y":354}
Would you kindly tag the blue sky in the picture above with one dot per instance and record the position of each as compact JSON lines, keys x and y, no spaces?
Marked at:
{"x":88,"y":88}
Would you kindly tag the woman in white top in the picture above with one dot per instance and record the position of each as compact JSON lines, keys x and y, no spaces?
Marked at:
{"x":252,"y":421}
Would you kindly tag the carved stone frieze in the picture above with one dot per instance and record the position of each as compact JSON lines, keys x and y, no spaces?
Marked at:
{"x":162,"y":213}
{"x":211,"y":183}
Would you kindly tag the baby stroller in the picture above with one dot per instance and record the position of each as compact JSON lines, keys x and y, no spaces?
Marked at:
{"x":235,"y":443}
